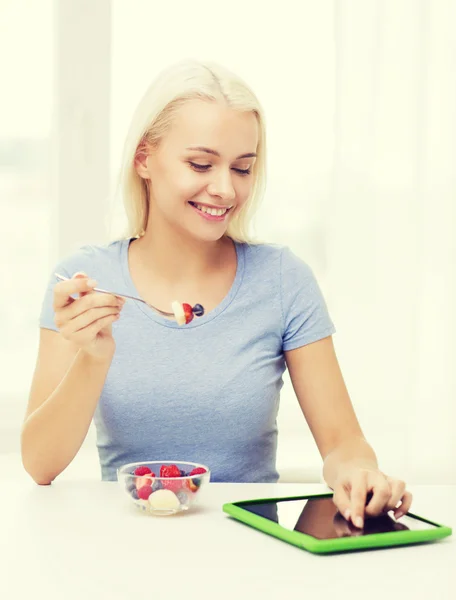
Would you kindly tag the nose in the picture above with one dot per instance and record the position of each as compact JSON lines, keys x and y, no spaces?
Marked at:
{"x":222,"y":187}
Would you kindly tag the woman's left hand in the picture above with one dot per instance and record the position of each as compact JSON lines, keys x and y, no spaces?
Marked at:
{"x":355,"y":484}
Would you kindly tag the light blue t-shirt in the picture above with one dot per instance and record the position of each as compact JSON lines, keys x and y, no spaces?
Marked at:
{"x":207,"y":392}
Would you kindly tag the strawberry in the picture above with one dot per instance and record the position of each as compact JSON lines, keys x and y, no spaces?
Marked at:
{"x":144,"y":492}
{"x":188,"y":312}
{"x":193,"y":484}
{"x":144,"y":480}
{"x":198,"y":471}
{"x":172,"y":484}
{"x":142,"y":471}
{"x":169,"y":471}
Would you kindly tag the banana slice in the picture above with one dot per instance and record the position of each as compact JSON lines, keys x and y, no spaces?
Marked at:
{"x":178,"y":311}
{"x":164,"y":499}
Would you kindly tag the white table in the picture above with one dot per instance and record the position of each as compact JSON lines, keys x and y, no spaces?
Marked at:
{"x":82,"y":540}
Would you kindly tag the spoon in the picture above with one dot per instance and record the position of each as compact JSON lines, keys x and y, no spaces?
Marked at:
{"x":161,"y":312}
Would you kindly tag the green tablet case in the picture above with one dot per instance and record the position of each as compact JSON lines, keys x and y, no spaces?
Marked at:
{"x":343,"y":544}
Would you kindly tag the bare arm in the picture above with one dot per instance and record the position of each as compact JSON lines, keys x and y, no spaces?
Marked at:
{"x":350,"y":464}
{"x":326,"y":405}
{"x":70,"y":373}
{"x":70,"y":383}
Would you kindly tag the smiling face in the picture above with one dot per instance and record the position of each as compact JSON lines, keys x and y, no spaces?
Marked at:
{"x":201,"y":174}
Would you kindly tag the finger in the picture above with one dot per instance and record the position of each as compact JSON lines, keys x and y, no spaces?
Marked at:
{"x":358,"y":495}
{"x":405,"y":506}
{"x":65,"y":289}
{"x":381,"y":497}
{"x":341,"y":499}
{"x":397,"y":492}
{"x":81,"y":275}
{"x":86,"y":319}
{"x":88,"y":302}
{"x":341,"y":527}
{"x":65,"y":317}
{"x":89,"y":333}
{"x":344,"y":528}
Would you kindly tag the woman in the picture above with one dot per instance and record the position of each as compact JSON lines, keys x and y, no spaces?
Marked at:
{"x":193,"y":173}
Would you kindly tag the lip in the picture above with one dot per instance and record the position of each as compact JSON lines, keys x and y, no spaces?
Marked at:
{"x":209,"y":217}
{"x":210,"y":205}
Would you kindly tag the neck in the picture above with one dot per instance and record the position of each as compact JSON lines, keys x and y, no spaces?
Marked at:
{"x":175,"y":257}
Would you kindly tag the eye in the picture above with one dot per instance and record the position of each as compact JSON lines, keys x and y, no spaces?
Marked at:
{"x":204,"y":168}
{"x":198,"y":167}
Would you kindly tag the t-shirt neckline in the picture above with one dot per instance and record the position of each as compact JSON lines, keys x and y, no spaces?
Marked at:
{"x":197,"y":321}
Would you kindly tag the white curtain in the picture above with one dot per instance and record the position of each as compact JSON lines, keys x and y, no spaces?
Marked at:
{"x":391,"y":250}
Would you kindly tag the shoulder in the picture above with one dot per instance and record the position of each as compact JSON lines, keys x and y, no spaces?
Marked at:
{"x":92,"y":258}
{"x":278,"y":259}
{"x":262,"y":253}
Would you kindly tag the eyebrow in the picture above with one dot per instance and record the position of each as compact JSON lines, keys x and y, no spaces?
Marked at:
{"x":215,"y":153}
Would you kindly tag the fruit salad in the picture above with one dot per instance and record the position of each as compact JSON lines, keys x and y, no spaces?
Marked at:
{"x":170,"y":490}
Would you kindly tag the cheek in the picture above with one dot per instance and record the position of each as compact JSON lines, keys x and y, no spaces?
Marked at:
{"x":243,"y":191}
{"x":172,"y":189}
{"x":187,"y":185}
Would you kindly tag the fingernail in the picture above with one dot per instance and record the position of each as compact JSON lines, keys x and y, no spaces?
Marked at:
{"x":359,"y":522}
{"x":91,"y":283}
{"x":347,"y":514}
{"x":399,"y":515}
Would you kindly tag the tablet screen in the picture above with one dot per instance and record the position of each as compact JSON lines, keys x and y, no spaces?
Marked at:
{"x":320,"y":518}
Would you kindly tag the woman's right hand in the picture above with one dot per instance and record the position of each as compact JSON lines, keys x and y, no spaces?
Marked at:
{"x":86,"y":321}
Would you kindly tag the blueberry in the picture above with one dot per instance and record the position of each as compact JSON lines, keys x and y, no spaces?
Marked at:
{"x":134,"y":494}
{"x":183,"y":473}
{"x":157,"y":485}
{"x":183,"y":498}
{"x":131,"y":486}
{"x":198,"y":310}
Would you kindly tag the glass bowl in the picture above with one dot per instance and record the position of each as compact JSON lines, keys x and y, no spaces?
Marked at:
{"x":156,"y":489}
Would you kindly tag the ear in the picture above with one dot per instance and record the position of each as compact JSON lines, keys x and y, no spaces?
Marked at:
{"x":141,"y":163}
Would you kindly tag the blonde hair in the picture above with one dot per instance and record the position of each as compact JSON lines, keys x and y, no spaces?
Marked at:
{"x":184,"y":81}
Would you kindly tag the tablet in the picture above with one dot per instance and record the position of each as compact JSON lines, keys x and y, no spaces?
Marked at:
{"x":313,"y":523}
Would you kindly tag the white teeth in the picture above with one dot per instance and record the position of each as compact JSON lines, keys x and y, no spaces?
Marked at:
{"x":216,"y":212}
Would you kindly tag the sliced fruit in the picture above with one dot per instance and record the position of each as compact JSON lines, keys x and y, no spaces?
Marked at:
{"x":178,"y":311}
{"x":183,"y":497}
{"x":145,"y":492}
{"x":142,"y":470}
{"x":164,"y":499}
{"x":188,"y":311}
{"x":145,"y":480}
{"x":190,"y":485}
{"x":198,"y":471}
{"x":157,"y":485}
{"x":170,"y":471}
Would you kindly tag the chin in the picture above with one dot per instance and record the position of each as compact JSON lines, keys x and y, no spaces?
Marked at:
{"x":209,"y":236}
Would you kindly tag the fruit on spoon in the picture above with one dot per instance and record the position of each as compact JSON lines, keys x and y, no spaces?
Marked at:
{"x":184,"y":313}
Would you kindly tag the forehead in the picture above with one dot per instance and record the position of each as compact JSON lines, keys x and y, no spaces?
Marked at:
{"x":214,"y":125}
